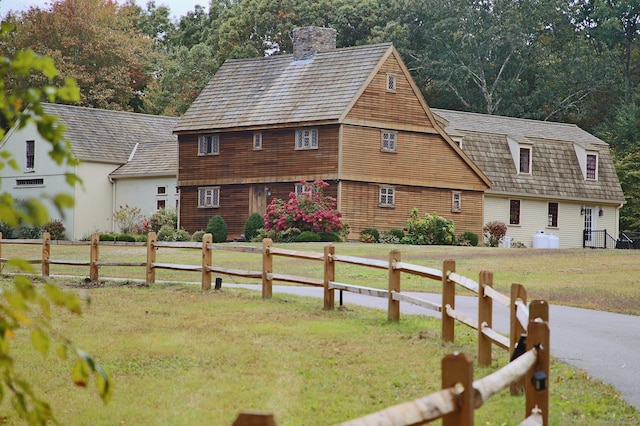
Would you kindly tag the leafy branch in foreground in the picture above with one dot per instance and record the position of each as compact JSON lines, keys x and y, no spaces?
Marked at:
{"x":24,"y":305}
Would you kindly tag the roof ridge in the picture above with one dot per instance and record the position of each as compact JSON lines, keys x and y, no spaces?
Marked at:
{"x":109,"y":111}
{"x":505,"y":117}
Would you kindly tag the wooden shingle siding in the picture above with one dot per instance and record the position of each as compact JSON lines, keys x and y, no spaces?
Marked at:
{"x":421,"y":160}
{"x":360,"y":207}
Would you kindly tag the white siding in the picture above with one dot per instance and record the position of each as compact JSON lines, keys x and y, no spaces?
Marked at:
{"x":142,"y":193}
{"x":94,"y":201}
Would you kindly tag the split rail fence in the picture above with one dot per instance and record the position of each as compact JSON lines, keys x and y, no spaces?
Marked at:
{"x":520,"y":319}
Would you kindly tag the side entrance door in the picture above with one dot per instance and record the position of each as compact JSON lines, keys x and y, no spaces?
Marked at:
{"x":258,"y":199}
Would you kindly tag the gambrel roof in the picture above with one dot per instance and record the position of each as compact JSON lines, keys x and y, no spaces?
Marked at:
{"x":276,"y":90}
{"x":556,"y":171}
{"x":105,"y":136}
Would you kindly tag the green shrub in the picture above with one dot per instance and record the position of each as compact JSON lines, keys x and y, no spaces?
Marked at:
{"x":7,"y":231}
{"x":286,"y":236}
{"x":182,"y":235}
{"x":217,"y":227}
{"x":330,"y":237}
{"x":29,"y":232}
{"x":494,"y":232}
{"x":163,"y":217}
{"x":399,"y":233}
{"x":125,"y":237}
{"x":307,"y":237}
{"x":56,"y":230}
{"x":468,"y":239}
{"x":254,"y":222}
{"x":369,"y":235}
{"x":197,"y":236}
{"x":430,"y":229}
{"x":389,"y":238}
{"x":107,"y":237}
{"x":169,"y":233}
{"x":141,"y":238}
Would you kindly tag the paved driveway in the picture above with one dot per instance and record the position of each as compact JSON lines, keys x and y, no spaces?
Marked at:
{"x":603,"y":344}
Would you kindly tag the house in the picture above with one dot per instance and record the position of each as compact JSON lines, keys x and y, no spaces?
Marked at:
{"x":352,"y":117}
{"x":548,"y":178}
{"x":125,"y":158}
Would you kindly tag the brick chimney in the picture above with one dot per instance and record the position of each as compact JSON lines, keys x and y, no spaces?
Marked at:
{"x":309,"y":40}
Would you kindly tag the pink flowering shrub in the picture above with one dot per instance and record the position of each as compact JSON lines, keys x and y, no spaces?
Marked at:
{"x":310,"y":211}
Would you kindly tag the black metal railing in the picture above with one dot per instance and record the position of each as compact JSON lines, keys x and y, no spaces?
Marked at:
{"x":600,"y":239}
{"x":629,"y":240}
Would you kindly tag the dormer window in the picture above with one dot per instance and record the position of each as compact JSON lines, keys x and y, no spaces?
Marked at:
{"x":592,"y":167}
{"x":391,"y":83}
{"x":525,"y":160}
{"x":388,"y":142}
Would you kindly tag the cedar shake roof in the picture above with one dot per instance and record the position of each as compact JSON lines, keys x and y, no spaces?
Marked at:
{"x":104,"y":136}
{"x":157,"y":158}
{"x":278,"y":89}
{"x":556,"y":172}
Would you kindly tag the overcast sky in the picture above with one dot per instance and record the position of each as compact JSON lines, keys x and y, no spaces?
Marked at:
{"x":177,"y":7}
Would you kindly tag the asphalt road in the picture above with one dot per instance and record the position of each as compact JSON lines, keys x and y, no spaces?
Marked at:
{"x":604,"y":345}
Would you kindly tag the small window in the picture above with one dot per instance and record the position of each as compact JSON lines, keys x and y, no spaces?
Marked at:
{"x":208,"y":145}
{"x":257,"y":141}
{"x":302,"y":188}
{"x":391,"y":82}
{"x":514,"y":212}
{"x":525,"y":160}
{"x":161,"y":204}
{"x":456,"y":202}
{"x":592,"y":166}
{"x":30,"y":160}
{"x":307,"y":139}
{"x":388,"y":142}
{"x":161,"y":190}
{"x":209,"y":197}
{"x":553,"y":215}
{"x":387,"y":196}
{"x":29,"y":182}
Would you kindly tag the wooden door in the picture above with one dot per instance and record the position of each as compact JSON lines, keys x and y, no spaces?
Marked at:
{"x":258,"y":199}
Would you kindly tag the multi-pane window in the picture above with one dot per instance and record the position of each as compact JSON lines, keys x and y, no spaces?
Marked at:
{"x":161,"y":204}
{"x":302,"y":188}
{"x":161,"y":190}
{"x":257,"y":141}
{"x":388,"y":142}
{"x":209,"y":196}
{"x":553,"y":215}
{"x":29,"y":182}
{"x":391,"y":82}
{"x":456,"y":201}
{"x":387,"y":196}
{"x":592,"y":166}
{"x":514,"y":212}
{"x":307,"y":139}
{"x":30,"y":160}
{"x":525,"y":160}
{"x":208,"y":144}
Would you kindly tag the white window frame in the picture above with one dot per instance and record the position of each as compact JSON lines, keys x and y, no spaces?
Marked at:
{"x":456,"y":201}
{"x":387,"y":196}
{"x":392,"y":82}
{"x":301,"y":188}
{"x":159,"y":202}
{"x":209,"y":145}
{"x":257,"y":141}
{"x":530,"y":163}
{"x":209,"y":197}
{"x":595,"y":170}
{"x":388,"y":141}
{"x":306,"y":139}
{"x":161,"y":190}
{"x":30,"y":156}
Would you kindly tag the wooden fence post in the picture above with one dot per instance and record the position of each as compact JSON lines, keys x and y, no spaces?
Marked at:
{"x":448,"y":298}
{"x":255,"y":418}
{"x":151,"y":257}
{"x":267,"y":268}
{"x":538,"y":335}
{"x":206,"y":261}
{"x":458,"y":368}
{"x":518,"y":292}
{"x":329,"y":275}
{"x":46,"y":253}
{"x":93,"y":257}
{"x":393,"y":311}
{"x":485,"y":317}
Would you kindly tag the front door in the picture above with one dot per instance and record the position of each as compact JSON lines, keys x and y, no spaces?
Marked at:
{"x":589,"y":222}
{"x":258,"y":199}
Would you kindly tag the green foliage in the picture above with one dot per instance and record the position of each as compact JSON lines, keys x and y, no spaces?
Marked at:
{"x":393,"y":236}
{"x":29,"y":232}
{"x":163,"y":217}
{"x":254,"y":222}
{"x":129,"y":219}
{"x":217,"y":227}
{"x":7,"y":231}
{"x":308,"y":237}
{"x":125,"y":237}
{"x":494,"y":232}
{"x":107,"y":237}
{"x":141,"y":238}
{"x":468,"y":238}
{"x":56,"y":230}
{"x":197,"y":236}
{"x":428,"y":230}
{"x":369,"y":235}
{"x":285,"y":236}
{"x":331,"y":237}
{"x":169,"y":233}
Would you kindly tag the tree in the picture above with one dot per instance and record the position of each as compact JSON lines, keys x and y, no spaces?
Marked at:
{"x":25,"y":306}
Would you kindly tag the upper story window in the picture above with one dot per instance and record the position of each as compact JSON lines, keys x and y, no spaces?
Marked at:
{"x":525,"y":160}
{"x":592,"y":166}
{"x":553,"y":215}
{"x":208,"y":144}
{"x":391,"y":82}
{"x":209,"y":196}
{"x":161,"y":190}
{"x":514,"y":212}
{"x":30,"y":160}
{"x":387,"y":196}
{"x":257,"y":141}
{"x":307,"y":139}
{"x":456,"y":201}
{"x":388,"y":142}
